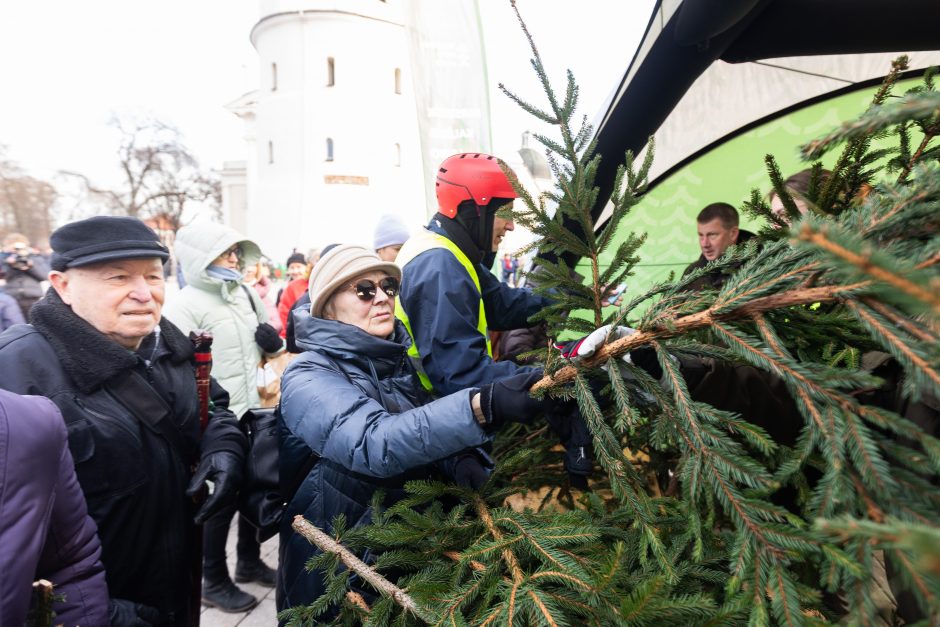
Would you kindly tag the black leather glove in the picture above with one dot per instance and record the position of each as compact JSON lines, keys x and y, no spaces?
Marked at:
{"x":267,"y":338}
{"x":469,"y":472}
{"x":124,"y":613}
{"x":645,"y":358}
{"x":224,"y":469}
{"x":509,"y":400}
{"x":566,"y":421}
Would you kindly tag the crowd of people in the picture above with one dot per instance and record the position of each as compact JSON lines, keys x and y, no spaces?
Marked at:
{"x":124,"y":472}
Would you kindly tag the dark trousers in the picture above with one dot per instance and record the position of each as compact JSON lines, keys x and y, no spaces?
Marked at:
{"x":214,"y":535}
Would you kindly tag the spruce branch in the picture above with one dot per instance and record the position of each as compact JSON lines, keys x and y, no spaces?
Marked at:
{"x":866,"y":265}
{"x":897,"y":346}
{"x":914,"y":329}
{"x":929,"y":133}
{"x":700,"y":320}
{"x":356,"y":599}
{"x":328,"y":545}
{"x":877,"y":119}
{"x":510,"y":558}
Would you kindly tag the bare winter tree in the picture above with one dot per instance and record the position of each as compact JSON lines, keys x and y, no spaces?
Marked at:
{"x":26,"y":203}
{"x":161,"y":177}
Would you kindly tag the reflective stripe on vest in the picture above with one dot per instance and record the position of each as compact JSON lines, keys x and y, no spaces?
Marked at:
{"x":418,"y":243}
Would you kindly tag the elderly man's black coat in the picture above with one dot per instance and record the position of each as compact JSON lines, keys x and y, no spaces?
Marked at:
{"x":133,"y":477}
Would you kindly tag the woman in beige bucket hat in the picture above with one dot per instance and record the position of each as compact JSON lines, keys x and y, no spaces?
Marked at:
{"x":355,"y":419}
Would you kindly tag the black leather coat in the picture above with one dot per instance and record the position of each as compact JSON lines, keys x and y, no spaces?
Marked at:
{"x":133,"y":478}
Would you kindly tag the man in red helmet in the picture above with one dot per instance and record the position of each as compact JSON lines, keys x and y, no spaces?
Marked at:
{"x":449,"y":298}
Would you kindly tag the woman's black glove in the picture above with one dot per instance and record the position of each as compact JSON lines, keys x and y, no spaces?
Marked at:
{"x":224,"y":470}
{"x":267,"y":338}
{"x":469,"y":472}
{"x":124,"y":613}
{"x":509,"y":400}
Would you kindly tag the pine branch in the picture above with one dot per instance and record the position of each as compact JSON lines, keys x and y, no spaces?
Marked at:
{"x":929,"y":134}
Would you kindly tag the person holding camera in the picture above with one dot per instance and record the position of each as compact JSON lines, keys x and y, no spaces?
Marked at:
{"x":24,"y":270}
{"x":213,"y":257}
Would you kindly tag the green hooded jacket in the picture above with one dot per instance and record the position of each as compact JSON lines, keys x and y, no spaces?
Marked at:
{"x":230,"y":310}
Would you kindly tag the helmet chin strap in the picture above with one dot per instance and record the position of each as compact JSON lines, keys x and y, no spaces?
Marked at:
{"x":484,"y":230}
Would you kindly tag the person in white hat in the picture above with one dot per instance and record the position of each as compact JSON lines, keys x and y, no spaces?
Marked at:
{"x":355,"y":418}
{"x":390,"y":234}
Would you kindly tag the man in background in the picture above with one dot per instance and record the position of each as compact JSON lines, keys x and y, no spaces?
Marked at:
{"x":717,"y":231}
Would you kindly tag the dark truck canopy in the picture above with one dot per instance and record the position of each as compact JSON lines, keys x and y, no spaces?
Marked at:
{"x":708,"y":68}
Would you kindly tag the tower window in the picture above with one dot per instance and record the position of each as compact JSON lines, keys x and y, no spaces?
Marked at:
{"x":274,"y":77}
{"x":397,"y":80}
{"x":270,"y":152}
{"x":329,"y":148}
{"x":330,"y":72}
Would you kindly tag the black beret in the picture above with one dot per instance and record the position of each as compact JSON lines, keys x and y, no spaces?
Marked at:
{"x":104,"y":238}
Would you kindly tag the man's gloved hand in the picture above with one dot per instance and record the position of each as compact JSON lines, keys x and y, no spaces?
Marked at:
{"x":469,"y":472}
{"x":566,"y":421}
{"x":645,"y":358}
{"x":509,"y":400}
{"x":267,"y":338}
{"x":224,"y":470}
{"x":578,"y":350}
{"x":124,"y":613}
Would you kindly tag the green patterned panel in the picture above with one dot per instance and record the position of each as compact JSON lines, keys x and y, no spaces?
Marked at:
{"x":726,"y":173}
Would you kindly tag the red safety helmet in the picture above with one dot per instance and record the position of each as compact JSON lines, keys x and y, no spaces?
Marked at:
{"x":470,"y":176}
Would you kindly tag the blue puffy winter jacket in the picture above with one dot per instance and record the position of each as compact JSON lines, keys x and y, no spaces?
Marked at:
{"x":353,"y":402}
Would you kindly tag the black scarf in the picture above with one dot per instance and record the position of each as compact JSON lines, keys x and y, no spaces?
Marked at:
{"x":88,"y":356}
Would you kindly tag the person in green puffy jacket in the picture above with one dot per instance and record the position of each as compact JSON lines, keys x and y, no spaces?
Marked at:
{"x":213,"y":256}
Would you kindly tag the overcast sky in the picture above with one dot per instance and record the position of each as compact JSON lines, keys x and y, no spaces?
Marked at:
{"x":66,"y":66}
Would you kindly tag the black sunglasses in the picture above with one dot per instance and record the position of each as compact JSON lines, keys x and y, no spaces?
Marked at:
{"x":366,"y":289}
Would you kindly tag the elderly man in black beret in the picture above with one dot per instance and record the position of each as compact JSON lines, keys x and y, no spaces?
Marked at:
{"x":124,"y":380}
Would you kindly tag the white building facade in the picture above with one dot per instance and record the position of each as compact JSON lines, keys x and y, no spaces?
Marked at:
{"x":331,"y":130}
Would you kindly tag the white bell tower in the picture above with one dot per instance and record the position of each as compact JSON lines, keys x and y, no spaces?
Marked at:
{"x":332,"y":127}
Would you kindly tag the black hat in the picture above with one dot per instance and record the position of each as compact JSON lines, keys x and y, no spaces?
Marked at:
{"x":104,"y":238}
{"x":296,"y":258}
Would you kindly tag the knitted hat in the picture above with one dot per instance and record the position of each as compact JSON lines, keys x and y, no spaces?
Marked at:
{"x":390,"y":231}
{"x":104,"y":238}
{"x":296,"y":258}
{"x":340,"y":266}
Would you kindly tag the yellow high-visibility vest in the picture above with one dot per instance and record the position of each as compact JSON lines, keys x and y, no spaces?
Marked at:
{"x":423,"y":241}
